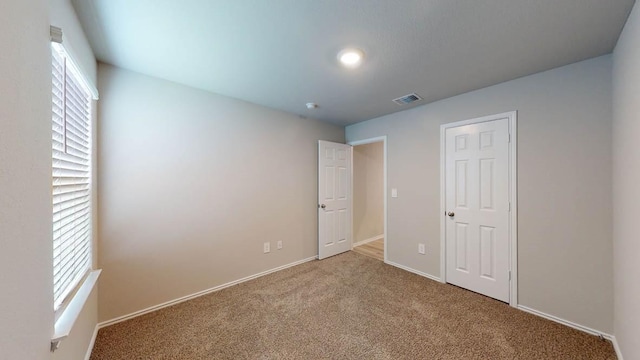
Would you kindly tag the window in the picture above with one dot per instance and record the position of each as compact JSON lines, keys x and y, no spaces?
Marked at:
{"x":71,"y":176}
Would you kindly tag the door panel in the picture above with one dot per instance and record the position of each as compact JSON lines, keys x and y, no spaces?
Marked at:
{"x":334,"y":199}
{"x":329,"y":183}
{"x":477,"y":195}
{"x":461,"y":183}
{"x":461,"y":248}
{"x":487,"y":252}
{"x":486,"y":184}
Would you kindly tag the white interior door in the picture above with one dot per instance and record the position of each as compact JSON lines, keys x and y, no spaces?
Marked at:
{"x":334,"y":199}
{"x":477,"y":203}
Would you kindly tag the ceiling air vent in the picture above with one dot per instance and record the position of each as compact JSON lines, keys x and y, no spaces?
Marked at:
{"x":407,"y":99}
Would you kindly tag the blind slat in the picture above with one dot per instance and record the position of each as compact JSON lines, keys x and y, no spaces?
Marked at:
{"x":62,"y":253}
{"x":76,"y":152}
{"x":63,"y":247}
{"x":61,"y":155}
{"x":70,"y":211}
{"x":69,"y":203}
{"x":74,"y":133}
{"x":62,"y":165}
{"x":63,"y":234}
{"x":67,"y":265}
{"x":77,"y":142}
{"x":77,"y":103}
{"x":59,"y":190}
{"x":76,"y":120}
{"x":68,"y":181}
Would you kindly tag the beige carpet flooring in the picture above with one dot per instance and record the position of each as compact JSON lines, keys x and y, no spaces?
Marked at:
{"x":346,"y":307}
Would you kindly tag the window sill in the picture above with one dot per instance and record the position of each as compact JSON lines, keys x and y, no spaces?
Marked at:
{"x":64,"y":324}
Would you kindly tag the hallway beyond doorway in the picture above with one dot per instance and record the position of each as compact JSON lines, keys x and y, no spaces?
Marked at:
{"x":374,"y":249}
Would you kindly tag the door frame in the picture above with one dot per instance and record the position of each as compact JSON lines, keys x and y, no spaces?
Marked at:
{"x":511,"y":116}
{"x":382,"y":139}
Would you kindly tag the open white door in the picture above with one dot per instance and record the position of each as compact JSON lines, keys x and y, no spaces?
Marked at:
{"x":334,"y":198}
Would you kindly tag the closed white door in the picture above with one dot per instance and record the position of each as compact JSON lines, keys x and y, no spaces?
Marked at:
{"x":334,"y":198}
{"x":477,"y":203}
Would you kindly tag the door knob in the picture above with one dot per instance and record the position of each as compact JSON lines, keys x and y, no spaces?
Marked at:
{"x":451,"y":214}
{"x":322,"y":206}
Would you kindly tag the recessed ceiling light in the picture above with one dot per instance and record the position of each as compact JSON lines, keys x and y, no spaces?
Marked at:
{"x":351,"y":58}
{"x":312,"y":105}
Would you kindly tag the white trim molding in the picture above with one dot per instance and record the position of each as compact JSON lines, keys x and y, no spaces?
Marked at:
{"x":92,"y":343}
{"x":576,"y":326}
{"x":382,"y":139}
{"x":571,"y":324}
{"x":406,"y":268}
{"x":366,"y":241}
{"x":616,"y":347}
{"x":513,"y":197}
{"x":200,"y":293}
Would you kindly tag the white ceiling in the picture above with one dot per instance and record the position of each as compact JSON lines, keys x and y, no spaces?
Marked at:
{"x":282,"y":53}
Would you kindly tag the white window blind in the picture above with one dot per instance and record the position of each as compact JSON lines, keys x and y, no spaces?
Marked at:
{"x":71,"y":155}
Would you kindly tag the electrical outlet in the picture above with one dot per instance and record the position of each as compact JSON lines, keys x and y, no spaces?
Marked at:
{"x":267,"y":247}
{"x":279,"y":244}
{"x":421,"y":249}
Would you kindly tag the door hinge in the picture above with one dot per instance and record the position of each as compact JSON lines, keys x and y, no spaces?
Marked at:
{"x":509,"y":275}
{"x":509,"y":137}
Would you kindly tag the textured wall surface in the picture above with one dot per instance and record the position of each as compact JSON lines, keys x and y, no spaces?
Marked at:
{"x":26,"y":279}
{"x":626,"y":189}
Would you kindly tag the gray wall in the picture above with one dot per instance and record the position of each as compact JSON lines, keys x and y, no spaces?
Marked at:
{"x":564,"y":185}
{"x":26,"y":255}
{"x":192,"y":184}
{"x":626,"y":186}
{"x":368,"y":188}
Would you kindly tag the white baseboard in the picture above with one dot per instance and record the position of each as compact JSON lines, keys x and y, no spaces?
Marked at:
{"x":366,"y":241}
{"x":616,"y":347}
{"x":92,"y":342}
{"x":428,"y":276}
{"x":200,"y":293}
{"x":568,"y":323}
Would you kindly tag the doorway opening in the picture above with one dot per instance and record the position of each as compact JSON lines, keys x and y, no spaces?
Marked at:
{"x":369,"y":198}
